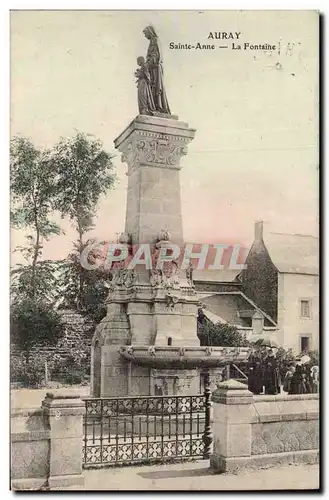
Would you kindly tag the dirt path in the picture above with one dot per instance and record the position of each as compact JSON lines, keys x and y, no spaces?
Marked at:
{"x":196,"y":476}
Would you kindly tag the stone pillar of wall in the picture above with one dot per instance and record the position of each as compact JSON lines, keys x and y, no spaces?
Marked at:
{"x":29,"y":449}
{"x":65,"y":422}
{"x":233,"y":412}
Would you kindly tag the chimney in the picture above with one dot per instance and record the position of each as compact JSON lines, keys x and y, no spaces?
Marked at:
{"x":257,"y":323}
{"x":259,"y":230}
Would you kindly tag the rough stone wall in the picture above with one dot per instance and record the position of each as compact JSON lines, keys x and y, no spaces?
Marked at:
{"x":77,"y":333}
{"x":260,"y":280}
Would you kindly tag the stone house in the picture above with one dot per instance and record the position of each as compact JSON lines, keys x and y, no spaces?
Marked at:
{"x":282,"y":278}
{"x":223,"y":301}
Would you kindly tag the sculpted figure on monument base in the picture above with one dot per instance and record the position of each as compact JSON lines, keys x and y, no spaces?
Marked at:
{"x":152,"y":96}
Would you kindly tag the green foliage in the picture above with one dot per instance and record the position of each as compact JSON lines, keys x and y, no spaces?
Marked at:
{"x":84,"y":171}
{"x":31,"y":374}
{"x":40,"y":283}
{"x":32,"y":323}
{"x":84,"y":289}
{"x":70,"y":178}
{"x":33,"y":189}
{"x":223,"y":335}
{"x":73,"y":368}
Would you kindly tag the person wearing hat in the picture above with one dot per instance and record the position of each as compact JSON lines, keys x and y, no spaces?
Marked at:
{"x":315,"y":378}
{"x":255,"y":372}
{"x":287,"y":379}
{"x":271,"y":374}
{"x":297,"y":383}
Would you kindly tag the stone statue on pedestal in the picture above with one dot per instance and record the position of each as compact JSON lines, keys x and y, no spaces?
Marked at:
{"x":151,"y":92}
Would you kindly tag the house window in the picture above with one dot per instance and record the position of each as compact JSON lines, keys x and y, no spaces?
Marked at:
{"x":169,"y":341}
{"x":305,"y":308}
{"x":304,"y":344}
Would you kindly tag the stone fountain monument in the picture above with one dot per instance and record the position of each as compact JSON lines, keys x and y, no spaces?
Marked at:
{"x":147,"y":344}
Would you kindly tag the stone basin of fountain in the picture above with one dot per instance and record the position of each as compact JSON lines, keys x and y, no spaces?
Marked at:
{"x":169,"y":357}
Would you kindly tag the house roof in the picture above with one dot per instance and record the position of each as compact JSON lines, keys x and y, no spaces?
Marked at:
{"x":227,"y":306}
{"x":293,"y":253}
{"x":215,"y":275}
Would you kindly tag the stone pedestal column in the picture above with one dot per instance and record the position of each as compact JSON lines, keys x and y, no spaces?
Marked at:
{"x":65,"y":420}
{"x":146,"y":305}
{"x":152,"y":147}
{"x":233,"y":413}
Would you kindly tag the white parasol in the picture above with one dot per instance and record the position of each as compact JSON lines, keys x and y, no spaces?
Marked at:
{"x":305,"y":359}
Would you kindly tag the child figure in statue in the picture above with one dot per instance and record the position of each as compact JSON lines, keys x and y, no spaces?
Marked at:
{"x":144,"y":92}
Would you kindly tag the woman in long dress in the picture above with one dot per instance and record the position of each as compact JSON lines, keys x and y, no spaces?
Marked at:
{"x":287,"y":379}
{"x":154,"y":64}
{"x":255,"y":373}
{"x":297,"y":383}
{"x":315,"y":378}
{"x":271,"y":375}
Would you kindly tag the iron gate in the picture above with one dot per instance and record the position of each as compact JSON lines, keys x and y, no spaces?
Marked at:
{"x":145,"y":429}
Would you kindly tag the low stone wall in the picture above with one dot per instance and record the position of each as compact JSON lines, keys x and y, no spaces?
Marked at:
{"x":46,"y":444}
{"x":285,"y":424}
{"x":253,"y":431}
{"x":30,"y":448}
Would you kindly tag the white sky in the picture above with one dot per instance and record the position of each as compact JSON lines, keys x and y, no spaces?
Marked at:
{"x":255,"y":152}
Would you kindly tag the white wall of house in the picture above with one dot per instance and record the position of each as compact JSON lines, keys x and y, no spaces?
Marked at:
{"x":292,"y":289}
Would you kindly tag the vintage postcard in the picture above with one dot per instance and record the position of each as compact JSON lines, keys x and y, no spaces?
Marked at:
{"x":164,"y":250}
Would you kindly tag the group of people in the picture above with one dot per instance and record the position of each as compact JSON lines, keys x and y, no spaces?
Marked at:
{"x":301,"y":379}
{"x":264,"y":374}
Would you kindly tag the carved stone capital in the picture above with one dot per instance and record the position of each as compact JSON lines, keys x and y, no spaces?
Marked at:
{"x":153,"y":141}
{"x":153,"y":152}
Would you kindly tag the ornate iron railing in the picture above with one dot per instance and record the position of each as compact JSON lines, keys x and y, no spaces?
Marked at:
{"x":127,"y":430}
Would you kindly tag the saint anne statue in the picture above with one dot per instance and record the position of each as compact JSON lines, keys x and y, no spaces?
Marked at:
{"x":155,"y":68}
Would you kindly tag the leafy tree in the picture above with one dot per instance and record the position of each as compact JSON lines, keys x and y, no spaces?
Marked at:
{"x":40,"y":282}
{"x":32,"y":323}
{"x":84,"y":290}
{"x":33,"y":190}
{"x":223,"y":335}
{"x":84,"y":171}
